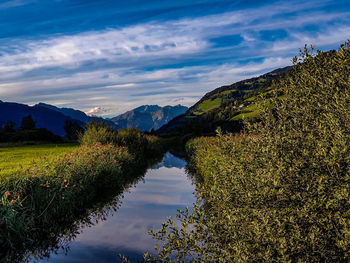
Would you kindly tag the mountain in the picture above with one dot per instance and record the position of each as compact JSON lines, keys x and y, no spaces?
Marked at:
{"x":148,"y":117}
{"x":42,"y":116}
{"x":76,"y":114}
{"x":223,"y":107}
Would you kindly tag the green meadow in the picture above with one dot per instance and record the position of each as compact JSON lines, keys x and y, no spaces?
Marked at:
{"x":13,"y":158}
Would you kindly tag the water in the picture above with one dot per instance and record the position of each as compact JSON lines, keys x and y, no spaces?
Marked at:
{"x":145,"y":206}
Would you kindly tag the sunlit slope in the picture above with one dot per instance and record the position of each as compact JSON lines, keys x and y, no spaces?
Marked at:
{"x":225,"y":106}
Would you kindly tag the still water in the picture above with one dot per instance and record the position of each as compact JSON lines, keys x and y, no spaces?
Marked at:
{"x":164,"y":189}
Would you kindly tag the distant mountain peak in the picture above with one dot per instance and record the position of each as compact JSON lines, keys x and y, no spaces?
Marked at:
{"x":147,"y":108}
{"x":148,"y":117}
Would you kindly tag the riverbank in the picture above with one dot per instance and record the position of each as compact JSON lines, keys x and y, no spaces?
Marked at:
{"x":38,"y":203}
{"x":279,"y":191}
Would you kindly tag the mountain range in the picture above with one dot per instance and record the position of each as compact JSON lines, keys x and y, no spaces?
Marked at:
{"x":223,"y":107}
{"x":42,"y":116}
{"x":53,"y":118}
{"x":148,"y":117}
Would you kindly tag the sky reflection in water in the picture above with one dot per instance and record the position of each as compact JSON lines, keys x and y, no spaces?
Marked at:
{"x":165,"y":189}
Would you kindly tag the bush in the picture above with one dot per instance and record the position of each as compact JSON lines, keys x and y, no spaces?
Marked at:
{"x":97,"y":132}
{"x":280,"y":192}
{"x":138,"y":143}
{"x":72,"y":129}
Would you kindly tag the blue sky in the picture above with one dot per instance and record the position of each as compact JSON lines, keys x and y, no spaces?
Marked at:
{"x":106,"y":57}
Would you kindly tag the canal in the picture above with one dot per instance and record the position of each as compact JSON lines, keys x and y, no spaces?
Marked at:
{"x":123,"y":227}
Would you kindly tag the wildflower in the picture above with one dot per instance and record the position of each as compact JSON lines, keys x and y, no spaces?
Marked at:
{"x":18,"y":198}
{"x":13,"y":202}
{"x":7,"y":194}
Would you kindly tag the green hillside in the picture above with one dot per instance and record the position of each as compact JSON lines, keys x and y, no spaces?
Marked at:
{"x":226,"y":107}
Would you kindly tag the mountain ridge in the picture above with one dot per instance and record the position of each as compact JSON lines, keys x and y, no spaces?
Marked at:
{"x":223,"y":107}
{"x":148,"y":117}
{"x":77,"y":114}
{"x":43,"y":117}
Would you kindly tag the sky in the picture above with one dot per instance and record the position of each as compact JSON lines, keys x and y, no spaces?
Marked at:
{"x":105,"y":57}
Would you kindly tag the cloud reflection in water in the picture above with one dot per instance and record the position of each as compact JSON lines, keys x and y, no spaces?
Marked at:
{"x":165,"y":189}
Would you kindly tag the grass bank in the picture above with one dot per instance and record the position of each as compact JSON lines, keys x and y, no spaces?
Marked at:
{"x":280,"y":190}
{"x":39,"y":202}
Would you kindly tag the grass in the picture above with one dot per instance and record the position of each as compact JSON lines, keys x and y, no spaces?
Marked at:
{"x":249,"y":112}
{"x":13,"y":158}
{"x":226,"y":92}
{"x":44,"y":189}
{"x":208,"y":105}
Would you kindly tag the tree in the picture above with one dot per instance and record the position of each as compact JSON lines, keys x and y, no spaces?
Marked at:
{"x":72,"y":129}
{"x":27,"y":123}
{"x":97,"y":132}
{"x":9,"y":127}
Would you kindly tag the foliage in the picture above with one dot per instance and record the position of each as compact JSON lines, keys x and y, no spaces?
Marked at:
{"x":97,"y":132}
{"x":9,"y":127}
{"x":42,"y":199}
{"x":72,"y":129}
{"x":137,"y":142}
{"x":34,"y":135}
{"x":280,"y":191}
{"x":27,"y":123}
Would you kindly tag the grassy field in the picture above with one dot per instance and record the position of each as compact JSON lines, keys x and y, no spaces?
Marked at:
{"x":208,"y":105}
{"x":12,"y":158}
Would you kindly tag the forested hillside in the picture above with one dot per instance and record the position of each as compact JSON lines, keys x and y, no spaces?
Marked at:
{"x":224,"y":107}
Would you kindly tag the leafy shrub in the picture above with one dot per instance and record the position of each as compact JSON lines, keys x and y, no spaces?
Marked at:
{"x":97,"y":132}
{"x":72,"y":129}
{"x":137,"y":142}
{"x":280,"y":192}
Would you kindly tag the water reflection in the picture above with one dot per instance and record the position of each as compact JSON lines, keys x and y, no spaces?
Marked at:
{"x":164,"y":189}
{"x":170,"y":161}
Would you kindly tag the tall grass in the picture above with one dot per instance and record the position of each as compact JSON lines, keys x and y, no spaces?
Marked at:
{"x":41,"y":201}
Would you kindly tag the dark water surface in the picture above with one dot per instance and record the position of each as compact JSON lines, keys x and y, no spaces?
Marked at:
{"x":165,"y":189}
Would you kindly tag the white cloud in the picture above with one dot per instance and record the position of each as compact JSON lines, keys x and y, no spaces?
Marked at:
{"x":335,"y":36}
{"x":95,"y":111}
